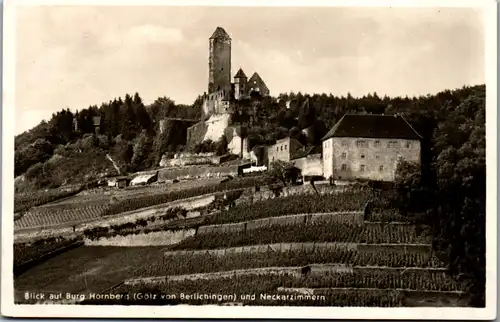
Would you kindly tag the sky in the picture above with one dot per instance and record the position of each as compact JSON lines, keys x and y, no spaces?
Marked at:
{"x":76,"y":56}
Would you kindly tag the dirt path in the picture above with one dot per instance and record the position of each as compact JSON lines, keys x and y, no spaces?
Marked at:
{"x":114,"y":163}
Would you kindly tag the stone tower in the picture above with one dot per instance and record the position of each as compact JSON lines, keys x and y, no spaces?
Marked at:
{"x":219,"y":61}
{"x":240,"y":84}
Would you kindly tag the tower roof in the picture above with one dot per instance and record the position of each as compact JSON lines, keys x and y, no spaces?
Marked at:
{"x":220,"y":33}
{"x":240,"y":74}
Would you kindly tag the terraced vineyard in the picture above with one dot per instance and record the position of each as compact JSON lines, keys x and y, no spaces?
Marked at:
{"x":44,"y":218}
{"x":318,"y":232}
{"x":318,"y":263}
{"x":87,"y":207}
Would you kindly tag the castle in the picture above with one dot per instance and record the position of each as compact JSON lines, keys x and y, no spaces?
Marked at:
{"x":223,"y":95}
{"x":221,"y":92}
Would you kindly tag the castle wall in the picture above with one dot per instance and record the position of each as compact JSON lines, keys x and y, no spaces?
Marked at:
{"x":235,"y":146}
{"x":215,"y":103}
{"x":216,"y":124}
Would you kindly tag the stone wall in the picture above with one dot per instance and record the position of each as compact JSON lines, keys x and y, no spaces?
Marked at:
{"x":195,"y":135}
{"x":311,"y":165}
{"x":187,"y":158}
{"x":196,"y":171}
{"x":265,"y":193}
{"x":211,"y":129}
{"x":215,"y":103}
{"x":216,"y":125}
{"x":345,"y":216}
{"x":158,"y":238}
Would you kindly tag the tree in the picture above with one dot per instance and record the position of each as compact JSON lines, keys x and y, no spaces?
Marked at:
{"x":142,"y":149}
{"x":221,"y":146}
{"x":260,"y":153}
{"x":283,"y":172}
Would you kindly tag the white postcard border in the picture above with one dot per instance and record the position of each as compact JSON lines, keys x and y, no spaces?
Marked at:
{"x":185,"y":311}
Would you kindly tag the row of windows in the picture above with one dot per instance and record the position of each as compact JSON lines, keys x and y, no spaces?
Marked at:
{"x":344,"y":156}
{"x":362,"y":168}
{"x":376,"y":144}
{"x":365,"y":144}
{"x":278,"y":148}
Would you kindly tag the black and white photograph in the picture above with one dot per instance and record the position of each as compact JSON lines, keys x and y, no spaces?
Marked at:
{"x":251,"y":160}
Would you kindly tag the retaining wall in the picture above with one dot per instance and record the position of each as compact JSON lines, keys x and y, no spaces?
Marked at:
{"x":196,"y":171}
{"x":307,"y":247}
{"x":277,"y":247}
{"x":158,"y":238}
{"x":345,"y":216}
{"x":294,"y":270}
{"x":306,"y":188}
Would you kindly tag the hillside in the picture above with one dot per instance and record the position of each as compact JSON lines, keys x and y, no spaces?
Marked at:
{"x":129,"y":131}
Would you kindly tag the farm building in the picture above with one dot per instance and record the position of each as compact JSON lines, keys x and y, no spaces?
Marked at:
{"x":369,"y":147}
{"x":144,"y":179}
{"x":120,"y":182}
{"x":309,"y":161}
{"x":283,"y":149}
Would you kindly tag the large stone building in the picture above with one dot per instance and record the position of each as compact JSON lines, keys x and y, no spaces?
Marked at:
{"x":369,"y":147}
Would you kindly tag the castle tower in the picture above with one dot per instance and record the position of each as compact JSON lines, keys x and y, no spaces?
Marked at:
{"x":240,"y":84}
{"x":219,"y":61}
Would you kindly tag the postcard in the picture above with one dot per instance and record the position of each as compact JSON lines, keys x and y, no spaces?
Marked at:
{"x":251,"y":159}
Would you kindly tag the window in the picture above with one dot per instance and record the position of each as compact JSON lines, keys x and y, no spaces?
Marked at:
{"x":381,"y":168}
{"x":344,"y":155}
{"x":362,"y":168}
{"x":281,"y":148}
{"x":393,"y":144}
{"x":361,"y":143}
{"x":277,"y":148}
{"x":377,"y":144}
{"x":362,"y":156}
{"x":285,"y":147}
{"x":377,"y":157}
{"x":344,"y":167}
{"x":408,"y":145}
{"x":344,"y":143}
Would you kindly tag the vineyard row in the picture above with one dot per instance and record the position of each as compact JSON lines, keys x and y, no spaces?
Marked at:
{"x":179,"y":263}
{"x":344,"y":232}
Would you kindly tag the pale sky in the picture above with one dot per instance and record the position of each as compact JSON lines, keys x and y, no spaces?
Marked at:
{"x":78,"y":56}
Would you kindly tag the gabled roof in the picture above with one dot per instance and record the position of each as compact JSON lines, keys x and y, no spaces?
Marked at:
{"x":256,"y":76}
{"x":307,"y":151}
{"x":220,"y":33}
{"x":240,"y":74}
{"x":373,"y":126}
